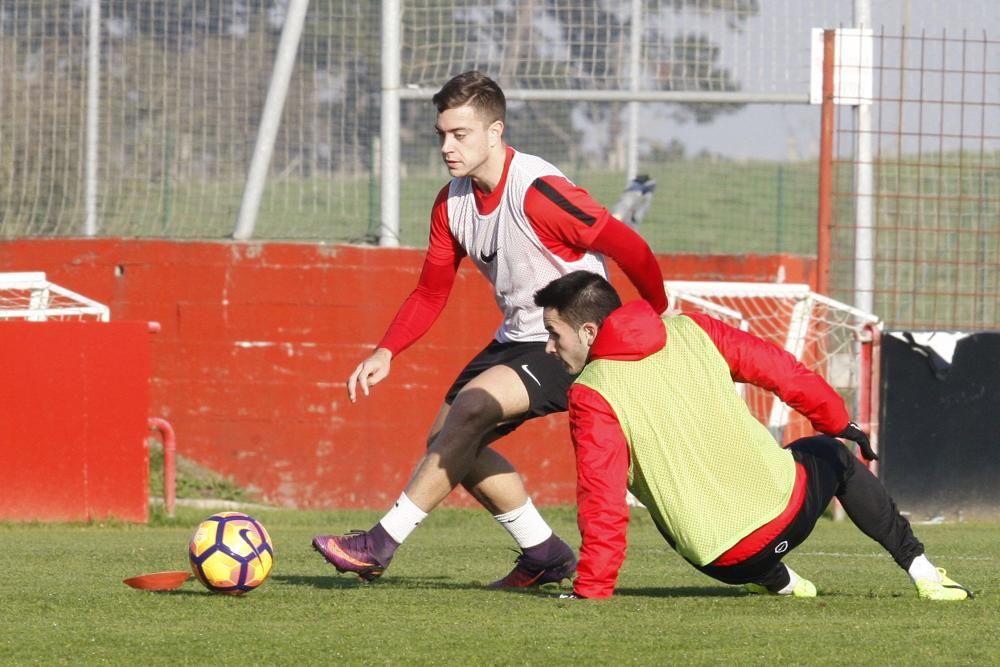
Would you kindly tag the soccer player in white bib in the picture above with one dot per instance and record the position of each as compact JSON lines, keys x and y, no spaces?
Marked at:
{"x":653,"y":409}
{"x":522,"y":223}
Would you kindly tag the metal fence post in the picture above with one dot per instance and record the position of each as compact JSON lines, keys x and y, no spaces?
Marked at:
{"x":825,"y":167}
{"x":270,"y":120}
{"x":391,"y":64}
{"x":93,"y":116}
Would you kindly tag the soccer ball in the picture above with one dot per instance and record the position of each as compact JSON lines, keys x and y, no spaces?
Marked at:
{"x":230,"y":552}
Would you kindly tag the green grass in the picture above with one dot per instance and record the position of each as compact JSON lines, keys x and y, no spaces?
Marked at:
{"x":700,"y":206}
{"x":192,"y":480}
{"x":63,"y":602}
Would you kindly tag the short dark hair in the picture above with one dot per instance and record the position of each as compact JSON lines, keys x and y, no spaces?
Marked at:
{"x":476,"y":90}
{"x":580,"y":296}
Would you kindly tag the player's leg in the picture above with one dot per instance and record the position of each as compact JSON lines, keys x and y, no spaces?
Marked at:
{"x":484,"y":404}
{"x":493,"y":480}
{"x":494,"y":396}
{"x":873,"y":511}
{"x":765,"y":572}
{"x":473,"y":415}
{"x":496,"y":484}
{"x":488,"y":475}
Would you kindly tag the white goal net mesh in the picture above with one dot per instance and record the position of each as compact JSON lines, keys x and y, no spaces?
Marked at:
{"x":31,"y":297}
{"x":827,"y":336}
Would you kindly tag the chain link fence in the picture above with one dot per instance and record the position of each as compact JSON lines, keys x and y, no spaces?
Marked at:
{"x":182,"y":87}
{"x":934,"y":226}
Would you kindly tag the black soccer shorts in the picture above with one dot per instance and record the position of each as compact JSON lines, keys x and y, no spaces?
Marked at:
{"x":543,"y":375}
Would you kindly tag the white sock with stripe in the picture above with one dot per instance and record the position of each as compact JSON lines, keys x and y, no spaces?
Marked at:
{"x":525,"y":525}
{"x":402,"y":519}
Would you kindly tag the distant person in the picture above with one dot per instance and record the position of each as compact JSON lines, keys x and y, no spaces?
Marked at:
{"x":654,"y":411}
{"x":522,"y":223}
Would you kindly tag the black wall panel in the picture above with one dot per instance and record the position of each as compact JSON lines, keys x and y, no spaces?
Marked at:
{"x":940,"y":438}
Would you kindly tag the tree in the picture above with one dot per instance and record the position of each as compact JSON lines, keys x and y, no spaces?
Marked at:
{"x":585,"y":45}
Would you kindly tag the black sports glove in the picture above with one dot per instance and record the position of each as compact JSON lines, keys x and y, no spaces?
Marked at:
{"x":854,"y":432}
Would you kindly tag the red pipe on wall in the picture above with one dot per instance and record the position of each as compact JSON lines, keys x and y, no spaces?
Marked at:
{"x":166,"y":431}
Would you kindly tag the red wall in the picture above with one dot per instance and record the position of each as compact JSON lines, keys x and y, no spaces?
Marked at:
{"x":74,"y":405}
{"x":258,"y":339}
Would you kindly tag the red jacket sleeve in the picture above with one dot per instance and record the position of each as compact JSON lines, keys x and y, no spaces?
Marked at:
{"x":602,"y":461}
{"x":427,"y":300}
{"x":764,"y":364}
{"x":631,"y":252}
{"x":569,"y":222}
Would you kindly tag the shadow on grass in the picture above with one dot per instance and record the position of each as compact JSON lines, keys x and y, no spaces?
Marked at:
{"x":199,"y":592}
{"x":325,"y":581}
{"x":443,"y":583}
{"x":447,"y":584}
{"x":684,"y":592}
{"x":678,"y":592}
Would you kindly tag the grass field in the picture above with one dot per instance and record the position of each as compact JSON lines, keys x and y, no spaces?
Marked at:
{"x":700,"y":206}
{"x":63,"y":602}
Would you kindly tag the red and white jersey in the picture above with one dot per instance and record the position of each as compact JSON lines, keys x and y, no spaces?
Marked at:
{"x":533,"y":227}
{"x":505,"y":246}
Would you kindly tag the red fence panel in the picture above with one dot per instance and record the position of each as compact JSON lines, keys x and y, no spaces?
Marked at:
{"x":74,"y":403}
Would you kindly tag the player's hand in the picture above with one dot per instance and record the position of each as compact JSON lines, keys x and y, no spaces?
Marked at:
{"x":854,"y":432}
{"x":369,"y":373}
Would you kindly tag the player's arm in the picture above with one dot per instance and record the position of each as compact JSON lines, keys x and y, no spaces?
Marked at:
{"x":601,"y":481}
{"x":637,"y":261}
{"x":421,"y":308}
{"x":569,"y":222}
{"x":764,"y":364}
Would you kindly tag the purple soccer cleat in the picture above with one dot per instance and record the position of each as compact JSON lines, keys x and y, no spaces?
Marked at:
{"x":556,"y":562}
{"x":351,"y":553}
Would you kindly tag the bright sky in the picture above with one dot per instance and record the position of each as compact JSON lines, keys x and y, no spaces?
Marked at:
{"x":792,"y":131}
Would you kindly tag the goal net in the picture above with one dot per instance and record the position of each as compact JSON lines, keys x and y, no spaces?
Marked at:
{"x":30,"y":296}
{"x":829,"y":337}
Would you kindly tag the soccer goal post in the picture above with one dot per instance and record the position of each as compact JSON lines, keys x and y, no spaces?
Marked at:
{"x":30,"y":296}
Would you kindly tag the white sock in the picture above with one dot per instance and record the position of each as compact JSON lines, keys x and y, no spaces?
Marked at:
{"x":923,"y":569}
{"x":404,"y":516}
{"x":525,"y":525}
{"x":792,"y":580}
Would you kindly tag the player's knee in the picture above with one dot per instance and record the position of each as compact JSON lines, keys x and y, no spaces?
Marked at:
{"x":474,"y":409}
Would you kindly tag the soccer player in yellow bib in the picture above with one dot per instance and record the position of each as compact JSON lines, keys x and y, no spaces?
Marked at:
{"x":654,"y":411}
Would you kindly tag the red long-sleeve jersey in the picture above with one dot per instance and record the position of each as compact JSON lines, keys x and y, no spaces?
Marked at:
{"x":534,"y":226}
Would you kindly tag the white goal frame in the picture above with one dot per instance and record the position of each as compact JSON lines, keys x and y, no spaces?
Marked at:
{"x":32,"y":297}
{"x":803,"y":327}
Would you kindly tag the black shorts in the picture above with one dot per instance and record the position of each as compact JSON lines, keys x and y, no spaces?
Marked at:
{"x":543,"y":376}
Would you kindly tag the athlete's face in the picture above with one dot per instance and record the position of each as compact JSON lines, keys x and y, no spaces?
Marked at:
{"x":467,"y":140}
{"x":571,"y":344}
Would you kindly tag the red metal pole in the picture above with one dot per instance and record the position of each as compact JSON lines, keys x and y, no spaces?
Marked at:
{"x":865,"y":389}
{"x":166,"y":432}
{"x":825,"y":168}
{"x":872,"y":381}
